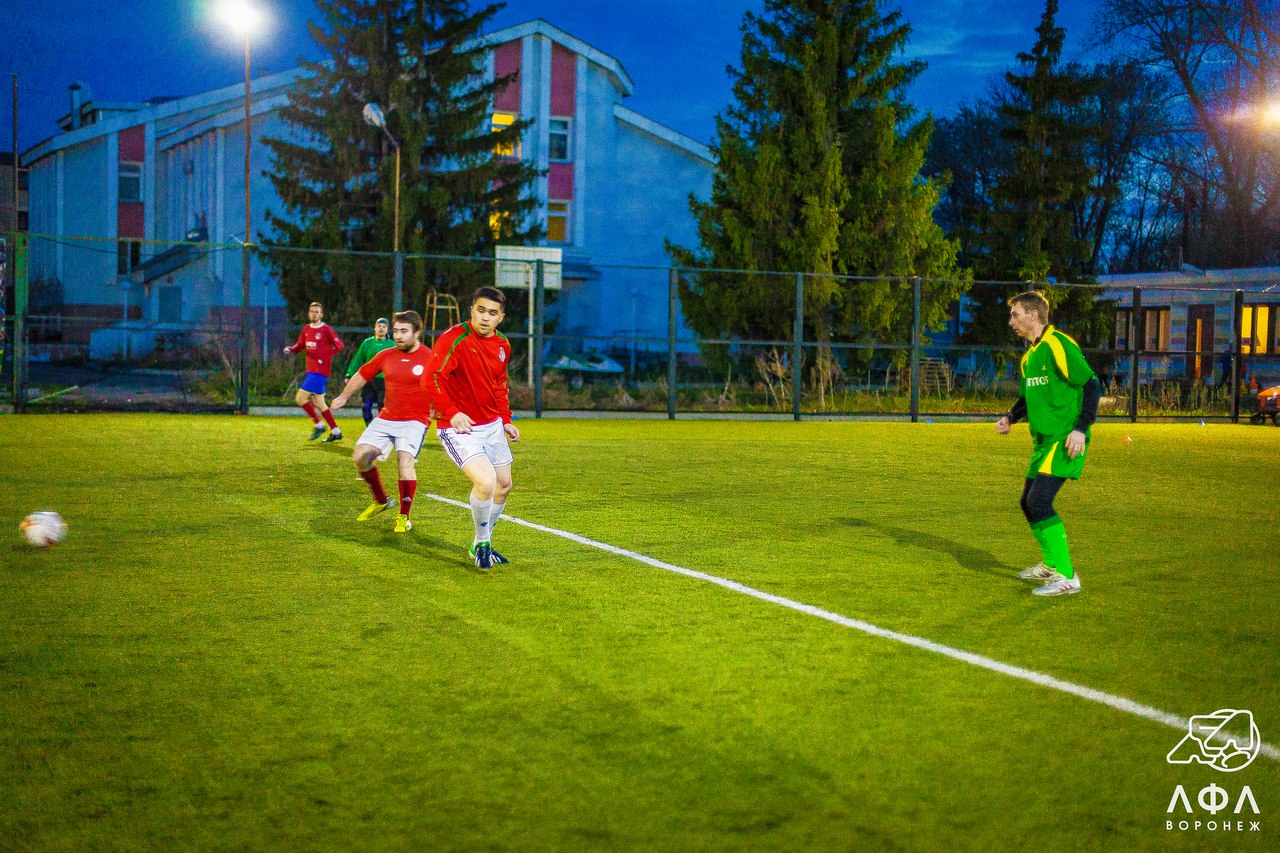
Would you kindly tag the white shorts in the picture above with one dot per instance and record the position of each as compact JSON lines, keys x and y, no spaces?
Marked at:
{"x":488,"y":439}
{"x":383,"y":434}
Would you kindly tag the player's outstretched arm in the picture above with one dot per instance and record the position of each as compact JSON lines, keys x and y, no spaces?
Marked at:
{"x":354,"y":384}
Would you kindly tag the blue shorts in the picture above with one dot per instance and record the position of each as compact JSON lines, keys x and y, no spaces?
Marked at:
{"x":315,"y":383}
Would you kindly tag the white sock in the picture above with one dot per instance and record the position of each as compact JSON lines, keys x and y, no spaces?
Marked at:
{"x":480,"y":512}
{"x":494,"y":514}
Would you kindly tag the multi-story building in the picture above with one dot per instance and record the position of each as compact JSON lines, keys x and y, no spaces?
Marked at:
{"x":616,"y":185}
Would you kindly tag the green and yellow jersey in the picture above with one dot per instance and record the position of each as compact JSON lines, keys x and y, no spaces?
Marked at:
{"x":1054,"y":380}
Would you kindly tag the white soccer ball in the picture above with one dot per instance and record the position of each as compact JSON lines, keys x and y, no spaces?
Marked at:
{"x":43,"y":529}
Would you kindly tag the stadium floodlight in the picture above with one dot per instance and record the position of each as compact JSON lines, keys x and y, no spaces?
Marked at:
{"x":241,"y":17}
{"x":374,"y":117}
{"x":1271,"y":114}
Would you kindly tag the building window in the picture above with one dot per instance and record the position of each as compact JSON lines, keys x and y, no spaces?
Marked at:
{"x":128,"y":256}
{"x":1257,"y":329}
{"x":558,"y":221}
{"x":24,"y":180}
{"x":558,"y":150}
{"x":1155,"y":325}
{"x":130,"y":183}
{"x":1120,"y":336}
{"x":24,"y":220}
{"x":502,"y":121}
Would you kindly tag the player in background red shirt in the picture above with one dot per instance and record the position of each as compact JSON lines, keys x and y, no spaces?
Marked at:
{"x":466,"y":380}
{"x":321,"y":343}
{"x":401,"y":422}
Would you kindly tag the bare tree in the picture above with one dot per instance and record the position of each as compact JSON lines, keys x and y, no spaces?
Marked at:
{"x":1220,"y":60}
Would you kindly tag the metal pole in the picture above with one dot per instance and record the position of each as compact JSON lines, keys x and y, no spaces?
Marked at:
{"x":398,"y":297}
{"x":528,"y":326}
{"x":242,"y":391}
{"x":21,"y":242}
{"x":1237,"y":324}
{"x":265,"y":322}
{"x":1136,"y":333}
{"x":395,"y":236}
{"x":915,"y":350}
{"x":797,"y":348}
{"x":16,"y":162}
{"x":536,"y":361}
{"x":673,"y":288}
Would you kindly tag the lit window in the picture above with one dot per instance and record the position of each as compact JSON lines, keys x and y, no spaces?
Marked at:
{"x":1255,"y":329}
{"x":510,"y":148}
{"x":1155,"y":323}
{"x":559,"y":146}
{"x":130,"y":183}
{"x":558,"y":221}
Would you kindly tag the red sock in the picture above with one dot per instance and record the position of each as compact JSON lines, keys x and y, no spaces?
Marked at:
{"x":407,"y":488}
{"x":328,"y":418}
{"x":374,"y":479}
{"x":310,"y":409}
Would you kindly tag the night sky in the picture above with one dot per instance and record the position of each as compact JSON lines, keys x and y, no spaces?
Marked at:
{"x":675,"y":51}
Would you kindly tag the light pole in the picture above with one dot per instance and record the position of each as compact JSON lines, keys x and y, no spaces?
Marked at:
{"x":243,"y":18}
{"x":374,"y":117}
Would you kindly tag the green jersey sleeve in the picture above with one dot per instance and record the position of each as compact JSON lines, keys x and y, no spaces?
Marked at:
{"x":1069,"y":361}
{"x":363,"y":354}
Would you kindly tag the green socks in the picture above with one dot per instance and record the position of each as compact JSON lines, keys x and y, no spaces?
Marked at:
{"x":1052,"y":537}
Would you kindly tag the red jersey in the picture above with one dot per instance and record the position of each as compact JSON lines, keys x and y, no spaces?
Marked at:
{"x":468,"y":373}
{"x":321,"y":343}
{"x":404,"y":371}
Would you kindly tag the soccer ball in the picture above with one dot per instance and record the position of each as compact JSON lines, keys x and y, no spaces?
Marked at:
{"x":43,"y":529}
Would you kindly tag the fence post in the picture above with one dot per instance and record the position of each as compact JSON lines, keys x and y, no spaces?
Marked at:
{"x":21,"y":243}
{"x":673,"y":281}
{"x":539,"y":303}
{"x":1237,"y":327}
{"x":397,"y":297}
{"x":797,"y":349}
{"x":915,"y":349}
{"x":1137,"y":332}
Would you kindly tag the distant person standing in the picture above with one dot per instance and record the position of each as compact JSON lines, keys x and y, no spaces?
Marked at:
{"x":374,"y":391}
{"x":466,"y":380}
{"x":402,"y":424}
{"x":1059,"y":400}
{"x":321,"y":343}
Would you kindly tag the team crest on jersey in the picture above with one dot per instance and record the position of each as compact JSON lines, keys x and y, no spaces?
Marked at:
{"x":502,"y":354}
{"x":417,"y":370}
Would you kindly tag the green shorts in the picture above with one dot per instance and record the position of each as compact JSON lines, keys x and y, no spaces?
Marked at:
{"x":1050,"y":457}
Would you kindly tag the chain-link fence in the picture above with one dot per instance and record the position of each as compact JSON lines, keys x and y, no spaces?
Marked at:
{"x":111,"y":325}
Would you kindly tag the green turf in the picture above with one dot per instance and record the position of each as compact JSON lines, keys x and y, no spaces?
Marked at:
{"x":219,"y":658}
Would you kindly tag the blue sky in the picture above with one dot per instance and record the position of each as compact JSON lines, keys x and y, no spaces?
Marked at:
{"x":676,"y":51}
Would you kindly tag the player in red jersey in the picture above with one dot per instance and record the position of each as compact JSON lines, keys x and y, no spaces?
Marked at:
{"x":321,"y":343}
{"x":466,"y":380}
{"x":401,"y":422}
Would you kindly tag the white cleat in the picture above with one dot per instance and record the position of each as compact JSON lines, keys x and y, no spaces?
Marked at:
{"x":1059,"y":585}
{"x":1038,"y":572}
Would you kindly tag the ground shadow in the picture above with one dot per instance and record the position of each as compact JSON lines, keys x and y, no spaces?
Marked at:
{"x":974,"y":559}
{"x":419,"y":543}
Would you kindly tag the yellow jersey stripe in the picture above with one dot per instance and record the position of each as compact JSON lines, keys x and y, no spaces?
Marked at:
{"x":1059,"y":354}
{"x":1046,"y":467}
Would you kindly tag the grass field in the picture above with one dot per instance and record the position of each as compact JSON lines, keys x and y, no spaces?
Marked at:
{"x":218,"y":657}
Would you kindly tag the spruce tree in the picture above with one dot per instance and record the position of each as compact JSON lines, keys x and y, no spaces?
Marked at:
{"x":819,"y":172}
{"x":1029,"y":234}
{"x":419,"y":60}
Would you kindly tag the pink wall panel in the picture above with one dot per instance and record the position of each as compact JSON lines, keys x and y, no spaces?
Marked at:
{"x":560,"y":181}
{"x":129,"y":221}
{"x":133,"y":144}
{"x":564,"y":81}
{"x":506,"y":60}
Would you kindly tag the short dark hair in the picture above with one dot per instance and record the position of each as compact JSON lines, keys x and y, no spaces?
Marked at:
{"x":490,"y":293}
{"x":410,"y":317}
{"x":1032,"y":302}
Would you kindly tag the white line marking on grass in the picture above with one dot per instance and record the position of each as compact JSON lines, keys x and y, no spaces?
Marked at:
{"x":1118,"y":702}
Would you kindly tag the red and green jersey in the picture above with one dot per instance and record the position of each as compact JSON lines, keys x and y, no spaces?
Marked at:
{"x":1054,"y":374}
{"x":468,"y":373}
{"x":403,"y":372}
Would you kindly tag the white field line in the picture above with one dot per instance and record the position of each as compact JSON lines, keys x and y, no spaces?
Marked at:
{"x":1118,"y":702}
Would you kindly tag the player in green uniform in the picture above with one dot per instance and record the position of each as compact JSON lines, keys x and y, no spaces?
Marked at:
{"x":373,"y":392}
{"x":1059,"y":400}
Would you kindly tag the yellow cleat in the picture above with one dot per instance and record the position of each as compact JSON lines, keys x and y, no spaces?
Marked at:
{"x":403,"y":524}
{"x":373,"y":509}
